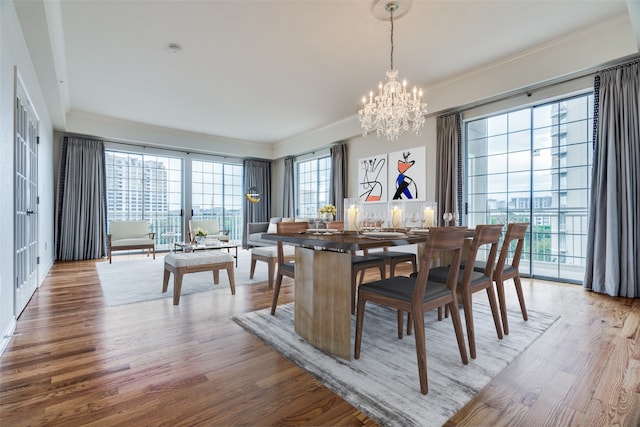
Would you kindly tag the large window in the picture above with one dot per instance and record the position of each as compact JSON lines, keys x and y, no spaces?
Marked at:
{"x":534,"y":165}
{"x":145,"y":187}
{"x":216,"y":193}
{"x":154,"y":188}
{"x":313,"y":179}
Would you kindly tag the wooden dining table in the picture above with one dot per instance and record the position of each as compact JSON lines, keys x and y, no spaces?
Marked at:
{"x":322,"y":312}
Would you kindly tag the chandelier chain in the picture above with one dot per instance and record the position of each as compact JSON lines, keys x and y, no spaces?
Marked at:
{"x":391,"y":19}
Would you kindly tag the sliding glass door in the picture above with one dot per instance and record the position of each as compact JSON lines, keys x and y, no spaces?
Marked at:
{"x":534,"y":165}
{"x":142,"y":186}
{"x":217,"y":193}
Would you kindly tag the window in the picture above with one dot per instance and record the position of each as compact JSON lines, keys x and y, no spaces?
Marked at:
{"x":154,"y":188}
{"x":145,"y":187}
{"x":534,"y":165}
{"x":217,"y":193}
{"x":313,"y":182}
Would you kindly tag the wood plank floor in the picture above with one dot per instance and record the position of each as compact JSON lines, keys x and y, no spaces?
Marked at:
{"x":75,"y":361}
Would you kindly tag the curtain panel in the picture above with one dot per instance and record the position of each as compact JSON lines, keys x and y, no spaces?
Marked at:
{"x":288,"y":198}
{"x":338,"y":187}
{"x":613,"y":256}
{"x":449,"y":165}
{"x":81,"y":207}
{"x":257,"y":173}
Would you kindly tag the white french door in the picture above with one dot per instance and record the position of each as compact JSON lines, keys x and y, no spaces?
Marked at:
{"x":26,"y":198}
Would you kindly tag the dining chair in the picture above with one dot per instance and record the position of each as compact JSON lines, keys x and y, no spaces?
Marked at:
{"x":393,"y":258}
{"x":503,"y":271}
{"x":471,"y":281}
{"x":359,"y":265}
{"x":416,"y":295}
{"x":286,"y":267}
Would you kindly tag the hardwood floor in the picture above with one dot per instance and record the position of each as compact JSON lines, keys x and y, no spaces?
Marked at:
{"x":76,"y":361}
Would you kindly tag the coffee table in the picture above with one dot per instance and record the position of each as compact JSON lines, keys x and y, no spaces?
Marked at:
{"x":192,"y":247}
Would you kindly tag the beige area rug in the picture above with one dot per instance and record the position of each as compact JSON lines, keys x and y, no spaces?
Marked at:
{"x":383,"y":383}
{"x":127,"y":281}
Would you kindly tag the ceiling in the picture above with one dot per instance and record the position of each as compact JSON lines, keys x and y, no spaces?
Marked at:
{"x":266,"y":71}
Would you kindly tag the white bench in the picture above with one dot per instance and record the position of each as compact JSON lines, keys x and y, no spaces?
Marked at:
{"x":193,"y":262}
{"x":269,"y":254}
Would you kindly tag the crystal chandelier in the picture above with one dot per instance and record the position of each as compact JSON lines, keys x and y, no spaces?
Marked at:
{"x":393,"y":110}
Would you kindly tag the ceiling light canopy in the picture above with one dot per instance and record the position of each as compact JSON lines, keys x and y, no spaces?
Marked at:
{"x":393,"y":110}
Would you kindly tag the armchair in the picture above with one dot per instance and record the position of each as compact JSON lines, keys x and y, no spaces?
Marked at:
{"x":127,"y":235}
{"x":210,"y":226}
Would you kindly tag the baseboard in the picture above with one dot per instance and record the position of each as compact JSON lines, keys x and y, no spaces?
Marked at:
{"x":7,"y":335}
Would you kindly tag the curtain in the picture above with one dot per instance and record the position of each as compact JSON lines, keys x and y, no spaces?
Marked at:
{"x":81,"y":207}
{"x":338,"y":187}
{"x":613,"y":257}
{"x":449,"y":165}
{"x":257,"y":173}
{"x":289,"y":186}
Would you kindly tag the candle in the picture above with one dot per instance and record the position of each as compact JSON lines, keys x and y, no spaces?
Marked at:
{"x":428,"y":217}
{"x":352,"y":218}
{"x":396,"y":217}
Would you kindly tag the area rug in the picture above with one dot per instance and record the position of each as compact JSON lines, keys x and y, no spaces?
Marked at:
{"x":127,"y":281}
{"x":383,"y":383}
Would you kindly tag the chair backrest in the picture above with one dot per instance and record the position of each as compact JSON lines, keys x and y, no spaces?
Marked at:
{"x":440,"y":239}
{"x":515,"y":231}
{"x":210,"y":226}
{"x":336,"y":225}
{"x":289,"y":227}
{"x":485,"y":234}
{"x":128,"y":230}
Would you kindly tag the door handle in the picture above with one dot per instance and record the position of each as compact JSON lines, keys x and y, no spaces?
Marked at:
{"x":30,"y":212}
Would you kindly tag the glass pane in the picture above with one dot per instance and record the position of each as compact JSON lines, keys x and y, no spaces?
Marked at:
{"x":519,"y":120}
{"x":497,"y":144}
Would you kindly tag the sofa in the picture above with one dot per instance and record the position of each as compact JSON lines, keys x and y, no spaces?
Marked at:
{"x":128,"y":235}
{"x":256,"y":230}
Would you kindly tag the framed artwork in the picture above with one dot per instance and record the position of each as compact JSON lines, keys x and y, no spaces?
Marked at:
{"x":408,"y":174}
{"x":372,"y":179}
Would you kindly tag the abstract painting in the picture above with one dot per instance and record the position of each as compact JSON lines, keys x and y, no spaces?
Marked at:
{"x":408,"y":174}
{"x":372,"y":179}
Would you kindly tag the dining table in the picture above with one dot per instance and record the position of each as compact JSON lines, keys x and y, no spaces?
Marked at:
{"x":322,"y":296}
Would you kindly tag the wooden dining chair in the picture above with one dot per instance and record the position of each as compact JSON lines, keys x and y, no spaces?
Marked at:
{"x":393,"y":258}
{"x":359,"y":265}
{"x":416,"y":295}
{"x":471,"y":281}
{"x":286,"y":267}
{"x":504,"y":271}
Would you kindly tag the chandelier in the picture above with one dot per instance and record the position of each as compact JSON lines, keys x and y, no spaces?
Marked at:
{"x":393,"y":110}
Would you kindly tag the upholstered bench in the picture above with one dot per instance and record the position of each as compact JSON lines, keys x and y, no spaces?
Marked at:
{"x":269,"y":254}
{"x":193,"y":262}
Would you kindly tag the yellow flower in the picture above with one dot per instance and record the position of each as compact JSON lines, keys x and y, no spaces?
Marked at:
{"x":328,"y":209}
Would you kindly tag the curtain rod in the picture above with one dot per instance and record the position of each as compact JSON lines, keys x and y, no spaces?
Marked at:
{"x":620,"y":62}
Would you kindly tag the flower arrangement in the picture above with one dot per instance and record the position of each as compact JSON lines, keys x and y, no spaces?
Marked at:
{"x":330,"y":209}
{"x":200,"y":232}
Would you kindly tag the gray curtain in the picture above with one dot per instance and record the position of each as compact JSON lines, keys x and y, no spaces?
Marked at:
{"x":289,"y":182}
{"x":338,"y":188}
{"x":257,"y":173}
{"x":81,"y":201}
{"x":449,"y":165}
{"x":613,"y":256}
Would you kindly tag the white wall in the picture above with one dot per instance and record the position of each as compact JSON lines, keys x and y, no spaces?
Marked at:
{"x":14,"y":55}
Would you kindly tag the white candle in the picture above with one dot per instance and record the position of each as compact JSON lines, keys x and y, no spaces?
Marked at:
{"x":396,"y":217}
{"x":352,"y":218}
{"x":428,"y":217}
